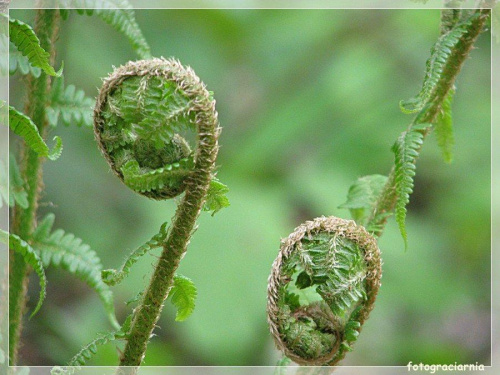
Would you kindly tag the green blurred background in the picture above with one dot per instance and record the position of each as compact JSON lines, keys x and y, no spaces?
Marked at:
{"x":308,"y":102}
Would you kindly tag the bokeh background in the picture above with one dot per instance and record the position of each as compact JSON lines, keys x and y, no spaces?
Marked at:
{"x":308,"y":101}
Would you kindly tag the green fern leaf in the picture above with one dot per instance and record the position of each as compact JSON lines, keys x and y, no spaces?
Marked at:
{"x":31,"y":257}
{"x":113,"y":277}
{"x":183,"y":296}
{"x":4,"y":186}
{"x":216,"y":197}
{"x":69,"y":104}
{"x":17,"y":192}
{"x":444,"y":128}
{"x":144,"y":180}
{"x":24,"y":127}
{"x":119,"y":14}
{"x":26,"y":41}
{"x":87,"y":352}
{"x":406,"y":150}
{"x":64,"y":250}
{"x":363,"y":195}
{"x":440,"y":53}
{"x":20,"y":63}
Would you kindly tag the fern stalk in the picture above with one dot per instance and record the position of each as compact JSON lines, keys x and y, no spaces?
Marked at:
{"x":46,"y":27}
{"x":388,"y":198}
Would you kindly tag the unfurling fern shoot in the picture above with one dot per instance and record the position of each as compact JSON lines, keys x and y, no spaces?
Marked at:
{"x":141,"y":108}
{"x":325,"y":279}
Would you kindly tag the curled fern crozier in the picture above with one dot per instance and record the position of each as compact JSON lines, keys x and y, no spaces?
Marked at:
{"x":140,"y":109}
{"x":321,"y":289}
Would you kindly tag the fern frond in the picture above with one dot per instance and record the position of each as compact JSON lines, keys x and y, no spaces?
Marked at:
{"x":406,"y":150}
{"x":113,"y":277}
{"x":69,"y":104}
{"x":170,"y":175}
{"x":17,"y":192}
{"x":363,"y":195}
{"x":444,"y":128}
{"x":64,"y":250}
{"x":216,"y":197}
{"x":440,"y":53}
{"x":26,"y":41}
{"x":87,"y":352}
{"x":183,"y":296}
{"x":31,"y":257}
{"x":19,"y":63}
{"x":4,"y":185}
{"x":24,"y":127}
{"x":119,"y":14}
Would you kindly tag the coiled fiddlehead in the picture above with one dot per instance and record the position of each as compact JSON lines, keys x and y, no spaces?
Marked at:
{"x":140,"y":108}
{"x":321,"y":289}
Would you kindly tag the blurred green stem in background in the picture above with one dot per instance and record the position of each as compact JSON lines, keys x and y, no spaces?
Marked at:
{"x":46,"y":27}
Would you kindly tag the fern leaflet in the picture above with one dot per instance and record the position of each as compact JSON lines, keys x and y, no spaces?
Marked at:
{"x":4,"y":193}
{"x":24,"y":127}
{"x":31,"y":257}
{"x":440,"y":53}
{"x":113,"y":277}
{"x":362,"y":196}
{"x":17,"y":192}
{"x":183,"y":295}
{"x":444,"y":128}
{"x":147,"y":180}
{"x":19,"y":62}
{"x":116,"y":13}
{"x":66,"y":251}
{"x":406,"y":150}
{"x":69,"y":104}
{"x":216,"y":197}
{"x":26,"y":41}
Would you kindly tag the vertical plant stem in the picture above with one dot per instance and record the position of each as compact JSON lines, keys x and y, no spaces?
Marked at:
{"x":46,"y":27}
{"x":387,"y":201}
{"x":174,"y":247}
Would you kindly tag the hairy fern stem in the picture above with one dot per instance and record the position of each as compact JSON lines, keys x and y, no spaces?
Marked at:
{"x":46,"y":27}
{"x":388,"y":198}
{"x":139,"y":108}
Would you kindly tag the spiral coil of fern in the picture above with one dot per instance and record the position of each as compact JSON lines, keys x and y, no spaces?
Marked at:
{"x":140,"y":107}
{"x":339,"y":262}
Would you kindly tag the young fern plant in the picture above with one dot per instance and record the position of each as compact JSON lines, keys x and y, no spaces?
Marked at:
{"x":325,"y":279}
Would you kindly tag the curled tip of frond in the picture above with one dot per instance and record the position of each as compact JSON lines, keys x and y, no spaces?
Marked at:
{"x":140,"y":109}
{"x":338,"y":260}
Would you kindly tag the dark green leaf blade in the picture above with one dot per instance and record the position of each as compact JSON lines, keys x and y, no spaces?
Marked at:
{"x":26,"y":41}
{"x":24,"y":127}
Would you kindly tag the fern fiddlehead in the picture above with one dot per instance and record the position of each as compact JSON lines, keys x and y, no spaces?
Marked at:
{"x":141,"y":107}
{"x":325,"y":279}
{"x":322,"y":287}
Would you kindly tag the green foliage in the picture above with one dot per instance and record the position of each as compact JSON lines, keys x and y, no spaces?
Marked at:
{"x":362,"y":197}
{"x":113,"y":277}
{"x":170,"y":176}
{"x":24,"y":127}
{"x":440,"y":53}
{"x":17,"y":192}
{"x":183,"y":296}
{"x":64,"y":250}
{"x":69,"y":104}
{"x":4,"y":193}
{"x":216,"y":197}
{"x":118,"y":14}
{"x":20,"y":63}
{"x":444,"y":128}
{"x":30,"y":256}
{"x":26,"y":41}
{"x":406,"y":150}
